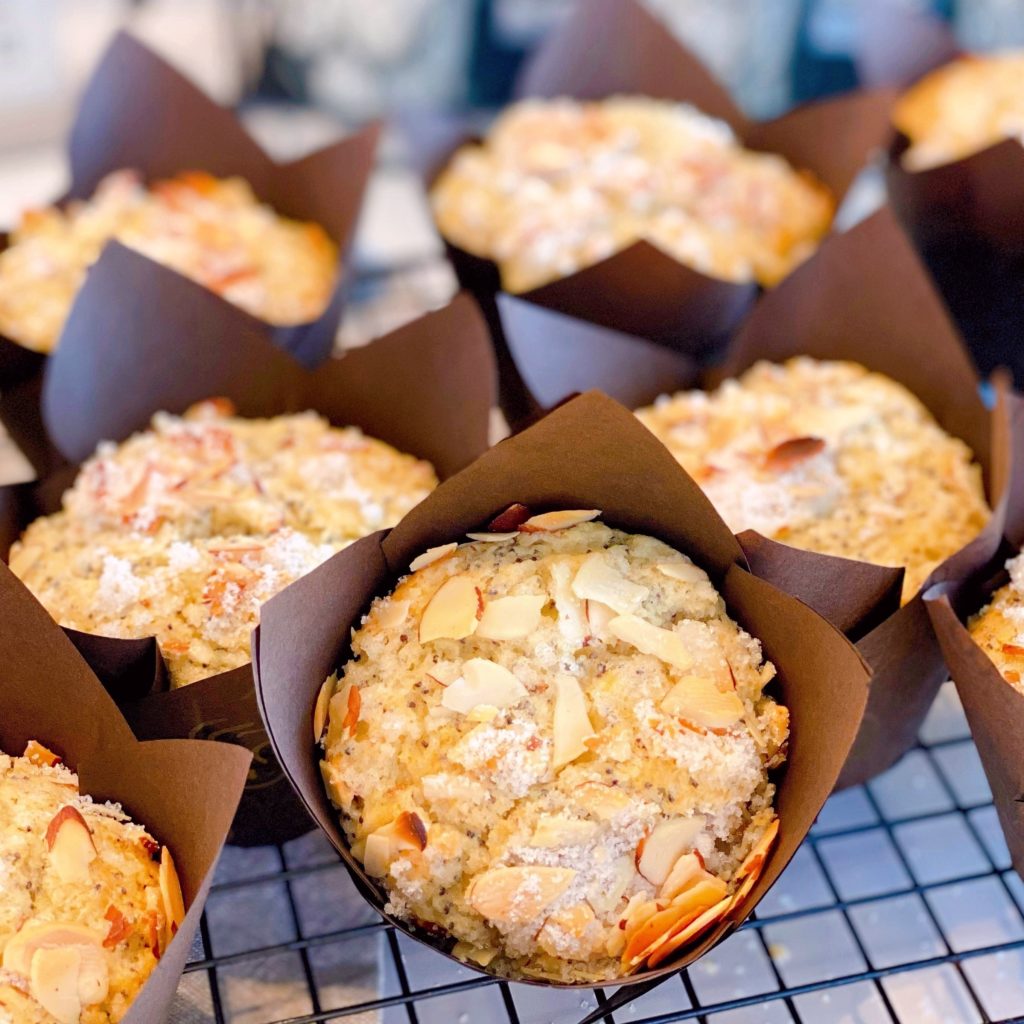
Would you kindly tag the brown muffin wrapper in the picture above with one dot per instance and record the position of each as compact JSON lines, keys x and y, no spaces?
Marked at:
{"x":865,"y":297}
{"x":570,"y":459}
{"x":609,"y":47}
{"x":138,"y":112}
{"x":426,"y":388}
{"x":184,"y":792}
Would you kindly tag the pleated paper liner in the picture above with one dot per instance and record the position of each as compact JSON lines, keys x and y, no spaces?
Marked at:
{"x":589,"y":453}
{"x":426,"y":389}
{"x":138,"y":112}
{"x":609,"y":47}
{"x":865,"y":297}
{"x":995,"y":710}
{"x":184,"y":792}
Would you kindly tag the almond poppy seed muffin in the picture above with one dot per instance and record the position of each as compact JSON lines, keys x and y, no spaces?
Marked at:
{"x":553,"y":744}
{"x":560,"y":184}
{"x":961,"y":108}
{"x":89,"y":901}
{"x":213,"y":230}
{"x":182,"y":531}
{"x":828,"y":456}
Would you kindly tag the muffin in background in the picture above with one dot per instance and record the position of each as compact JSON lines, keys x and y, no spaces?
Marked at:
{"x":182,"y":531}
{"x":830,"y":457}
{"x":559,"y":185}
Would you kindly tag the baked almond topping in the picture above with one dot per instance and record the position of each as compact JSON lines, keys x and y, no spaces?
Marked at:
{"x":547,"y":522}
{"x":71,"y":847}
{"x":787,"y":454}
{"x":565,"y":782}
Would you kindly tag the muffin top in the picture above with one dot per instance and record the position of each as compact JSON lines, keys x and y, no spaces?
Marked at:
{"x":961,"y":108}
{"x":998,"y":629}
{"x":830,"y":457}
{"x":559,"y":185}
{"x":89,"y":900}
{"x":184,"y":530}
{"x":213,"y":230}
{"x":552,"y":744}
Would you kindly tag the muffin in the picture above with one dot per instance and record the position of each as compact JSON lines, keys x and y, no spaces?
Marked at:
{"x":559,"y":185}
{"x":213,"y":230}
{"x":998,"y":629}
{"x":830,"y":457}
{"x":90,"y":899}
{"x":552,"y":745}
{"x":184,"y":530}
{"x":961,"y":108}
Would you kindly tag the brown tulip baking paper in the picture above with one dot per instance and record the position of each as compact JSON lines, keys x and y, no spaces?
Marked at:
{"x":864,"y":296}
{"x":426,"y":388}
{"x":138,"y":112}
{"x":185,"y":793}
{"x":573,"y":458}
{"x":609,"y":47}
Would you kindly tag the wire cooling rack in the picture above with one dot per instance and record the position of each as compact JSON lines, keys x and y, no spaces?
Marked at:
{"x":900,"y":906}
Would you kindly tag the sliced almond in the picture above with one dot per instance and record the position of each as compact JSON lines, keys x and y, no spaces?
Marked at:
{"x":21,"y":947}
{"x":603,"y":801}
{"x":170,"y":897}
{"x":572,"y":621}
{"x":647,"y":638}
{"x":343,"y":714}
{"x":493,"y":538}
{"x":678,"y":915}
{"x":684,"y":936}
{"x":556,"y":830}
{"x":598,"y":616}
{"x":405,"y":834}
{"x":53,"y":981}
{"x":478,"y":955}
{"x":93,"y":976}
{"x":518,"y":895}
{"x":71,"y":847}
{"x":409,"y":832}
{"x":687,"y":870}
{"x":574,"y":923}
{"x":451,"y":614}
{"x":432,"y":555}
{"x":699,"y":700}
{"x":482,"y":682}
{"x":511,"y":519}
{"x":788,"y":454}
{"x":119,"y":930}
{"x":391,"y":613}
{"x":509,"y":618}
{"x":666,"y":844}
{"x":377,"y":855}
{"x":548,"y":522}
{"x":598,"y":580}
{"x":639,"y":910}
{"x":40,"y":755}
{"x":684,"y":571}
{"x":571,"y":727}
{"x":657,"y":926}
{"x":323,"y":700}
{"x":759,"y":854}
{"x":609,"y":898}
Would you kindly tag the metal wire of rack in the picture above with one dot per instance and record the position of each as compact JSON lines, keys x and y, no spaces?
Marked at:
{"x":900,"y":906}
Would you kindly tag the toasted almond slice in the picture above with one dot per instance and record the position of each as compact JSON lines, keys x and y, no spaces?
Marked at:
{"x":377,"y":855}
{"x":598,"y":616}
{"x":548,"y":522}
{"x":686,"y":871}
{"x":93,"y":977}
{"x":639,"y":910}
{"x":647,"y":638}
{"x":682,"y":570}
{"x":408,"y":831}
{"x":119,"y":930}
{"x":511,"y":519}
{"x":572,"y":621}
{"x":788,"y":454}
{"x":748,"y":883}
{"x":431,"y":555}
{"x":689,"y":932}
{"x":21,"y":947}
{"x":609,"y":898}
{"x":516,"y":896}
{"x":71,"y":846}
{"x":451,"y":614}
{"x":508,"y":618}
{"x":40,"y":755}
{"x":481,"y":956}
{"x":666,"y":844}
{"x":482,"y":682}
{"x":323,"y":700}
{"x":686,"y":908}
{"x":573,"y":923}
{"x":493,"y":538}
{"x":404,"y":834}
{"x":53,"y":981}
{"x":598,"y":580}
{"x":571,"y":727}
{"x":391,"y":613}
{"x":556,"y":830}
{"x":759,"y":854}
{"x":658,"y":925}
{"x":699,"y":700}
{"x":170,"y":897}
{"x":602,"y":800}
{"x":615,"y":942}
